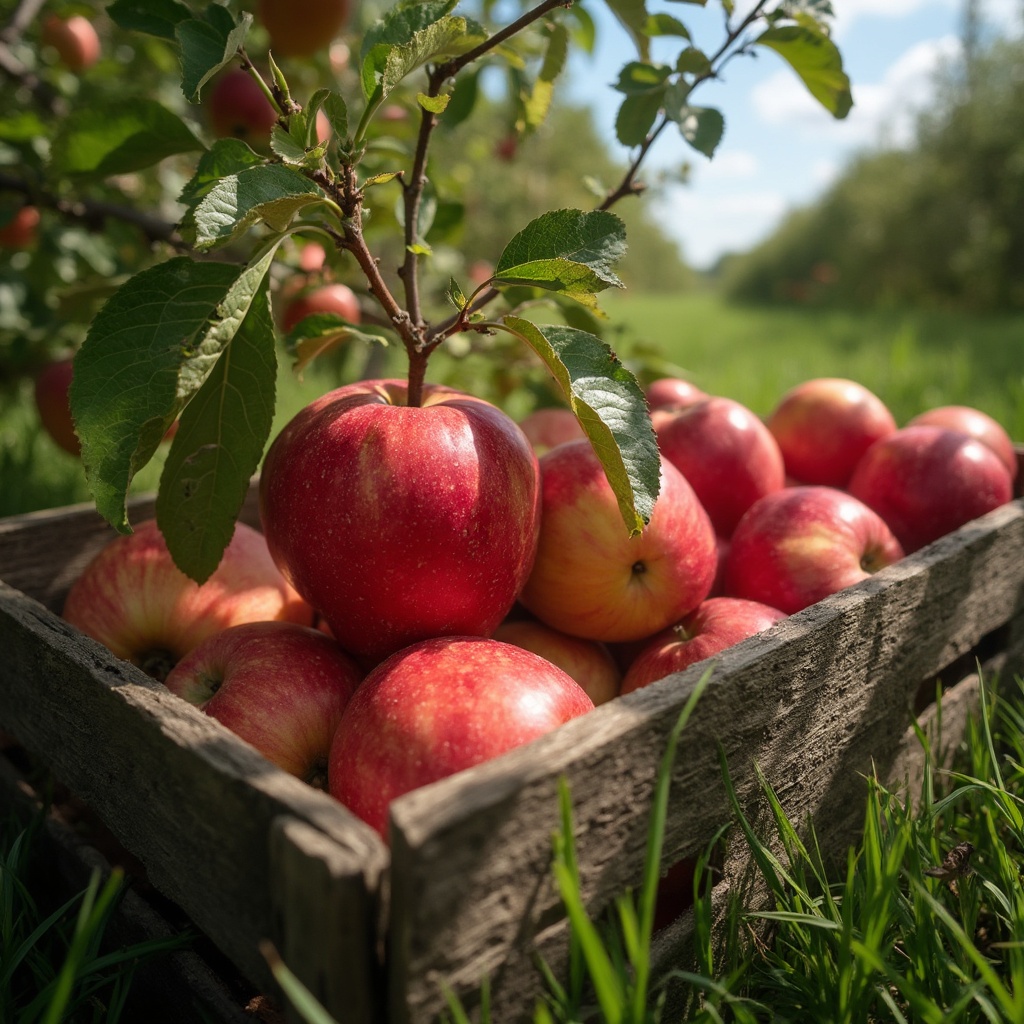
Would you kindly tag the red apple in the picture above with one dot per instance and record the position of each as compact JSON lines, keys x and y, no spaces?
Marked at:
{"x":74,"y":39}
{"x":592,"y":579}
{"x":51,"y":398}
{"x":279,"y":686}
{"x":133,"y":599}
{"x":505,"y":148}
{"x":20,"y":231}
{"x":329,"y":298}
{"x":312,"y":257}
{"x":438,"y":707}
{"x":546,"y":428}
{"x":401,"y":523}
{"x":587,"y":661}
{"x":300,"y":28}
{"x":714,"y":625}
{"x":974,"y":423}
{"x":926,"y":481}
{"x":672,"y":393}
{"x":825,"y":425}
{"x":238,"y":109}
{"x":796,"y":546}
{"x":726,"y":453}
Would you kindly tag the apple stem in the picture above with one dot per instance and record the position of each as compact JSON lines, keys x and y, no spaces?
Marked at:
{"x":417,"y":376}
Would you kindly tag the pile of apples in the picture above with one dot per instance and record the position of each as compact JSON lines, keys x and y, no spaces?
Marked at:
{"x":434,"y":585}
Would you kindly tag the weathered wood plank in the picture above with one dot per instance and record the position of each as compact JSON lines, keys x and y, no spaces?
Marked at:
{"x":327,"y":917}
{"x":816,"y":701}
{"x":187,"y":797}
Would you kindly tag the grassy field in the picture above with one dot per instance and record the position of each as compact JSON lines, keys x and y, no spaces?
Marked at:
{"x":912,"y":360}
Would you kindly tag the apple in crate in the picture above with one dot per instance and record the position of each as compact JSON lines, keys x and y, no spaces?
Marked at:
{"x":825,"y":425}
{"x":279,"y":686}
{"x":727,"y":454}
{"x":588,"y":662}
{"x":438,"y":707}
{"x":400,"y":523}
{"x":590,"y":578}
{"x":713,"y":626}
{"x":672,"y":393}
{"x":974,"y":423}
{"x":549,"y":427}
{"x":134,"y":600}
{"x":926,"y":481}
{"x":796,"y":546}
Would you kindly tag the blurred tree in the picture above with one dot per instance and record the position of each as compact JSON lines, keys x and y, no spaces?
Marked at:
{"x":940,"y":223}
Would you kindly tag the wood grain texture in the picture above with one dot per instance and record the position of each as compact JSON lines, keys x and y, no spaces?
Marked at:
{"x":182,"y":793}
{"x":815,"y":701}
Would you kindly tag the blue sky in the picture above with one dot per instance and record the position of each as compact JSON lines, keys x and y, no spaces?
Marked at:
{"x":780,"y":149}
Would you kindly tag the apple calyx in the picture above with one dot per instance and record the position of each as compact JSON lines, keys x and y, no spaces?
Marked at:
{"x":157,"y":663}
{"x":316,"y":775}
{"x":638,"y":568}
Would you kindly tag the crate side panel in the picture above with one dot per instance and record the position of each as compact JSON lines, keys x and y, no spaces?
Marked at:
{"x":815,"y":701}
{"x":181,"y":792}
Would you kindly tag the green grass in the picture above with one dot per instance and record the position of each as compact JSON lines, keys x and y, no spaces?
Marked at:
{"x":911,"y":359}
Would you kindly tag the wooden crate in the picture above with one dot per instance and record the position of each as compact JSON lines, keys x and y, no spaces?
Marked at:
{"x":465,"y":890}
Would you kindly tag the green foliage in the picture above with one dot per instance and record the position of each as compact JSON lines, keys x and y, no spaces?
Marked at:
{"x":184,"y":335}
{"x":940,"y":223}
{"x":53,"y":966}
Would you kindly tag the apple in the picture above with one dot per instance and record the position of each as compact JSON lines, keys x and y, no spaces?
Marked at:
{"x":590,"y":578}
{"x":51,"y":398}
{"x":825,"y":425}
{"x":729,"y":457}
{"x":974,"y":423}
{"x":279,"y":686}
{"x":545,"y":428}
{"x":480,"y":272}
{"x":798,"y":545}
{"x":505,"y":148}
{"x":926,"y":481}
{"x":300,"y":28}
{"x":134,"y":600}
{"x":312,"y":257}
{"x":672,"y":393}
{"x":587,"y":661}
{"x":714,"y":625}
{"x":401,"y":523}
{"x":74,"y":39}
{"x":20,"y":231}
{"x":329,"y":298}
{"x":438,"y":707}
{"x":237,"y":108}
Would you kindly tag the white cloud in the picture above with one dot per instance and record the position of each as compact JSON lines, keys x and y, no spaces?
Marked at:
{"x":848,"y":11}
{"x":706,"y":225}
{"x":730,"y":165}
{"x":884,"y":108}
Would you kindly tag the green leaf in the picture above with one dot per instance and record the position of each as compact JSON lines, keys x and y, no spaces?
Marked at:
{"x":666,"y":25}
{"x":208,"y":43}
{"x":117,"y":138}
{"x":638,"y":78}
{"x":380,"y":179}
{"x":692,"y":61}
{"x":269,"y":192}
{"x":224,"y":158}
{"x":284,"y":144}
{"x":456,"y":296}
{"x":154,"y":17}
{"x":337,"y":115}
{"x":702,"y":127}
{"x":815,"y":58}
{"x":571,"y":251}
{"x":633,"y":16}
{"x":636,"y":117}
{"x":319,"y":333}
{"x":126,"y":387}
{"x":435,"y":104}
{"x":538,"y":103}
{"x":218,"y":445}
{"x":610,"y":405}
{"x":462,"y":100}
{"x":22,"y":126}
